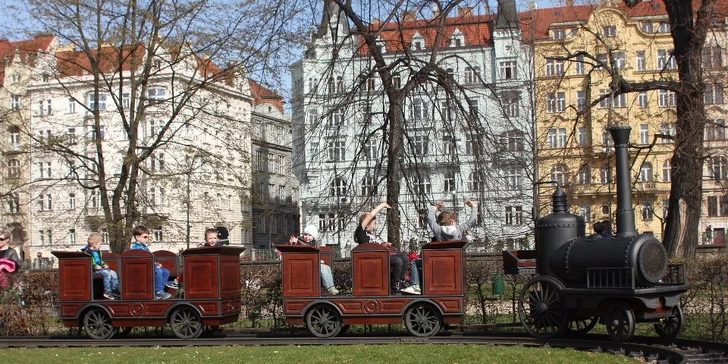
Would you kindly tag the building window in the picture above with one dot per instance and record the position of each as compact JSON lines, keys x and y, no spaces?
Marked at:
{"x":507,"y":70}
{"x":45,"y":202}
{"x":157,"y":234}
{"x":510,"y":101}
{"x":15,"y":102}
{"x":713,"y":94}
{"x":585,"y":212}
{"x":648,"y":27}
{"x":93,"y":199}
{"x":666,"y":98}
{"x":668,"y":132}
{"x":646,"y":174}
{"x":665,"y":60}
{"x":642,"y":99}
{"x":44,"y":170}
{"x":15,"y":138}
{"x":371,"y":149}
{"x":666,"y":171}
{"x":474,"y":108}
{"x":72,"y":236}
{"x":605,"y":175}
{"x":559,"y":175}
{"x":422,"y":185}
{"x":557,"y":138}
{"x":420,"y":145}
{"x":513,"y":178}
{"x":71,"y":201}
{"x":619,"y":101}
{"x":554,"y":67}
{"x":514,"y":215}
{"x":583,"y":137}
{"x":419,"y":109}
{"x":584,"y":175}
{"x":644,"y":134}
{"x":641,"y":61}
{"x":619,"y":59}
{"x":715,"y":130}
{"x":712,"y":57}
{"x":556,"y":102}
{"x":580,"y":100}
{"x":719,"y":168}
{"x":559,"y":34}
{"x":13,"y":202}
{"x":512,"y":141}
{"x":92,"y":102}
{"x":13,"y":168}
{"x":610,"y":31}
{"x":448,"y":145}
{"x":449,"y":182}
{"x":475,"y":183}
{"x":368,"y":186}
{"x":338,"y":187}
{"x":664,"y":27}
{"x":156,"y":162}
{"x":337,"y":149}
{"x":156,"y":95}
{"x":647,"y":211}
{"x":579,"y":66}
{"x":472,"y":75}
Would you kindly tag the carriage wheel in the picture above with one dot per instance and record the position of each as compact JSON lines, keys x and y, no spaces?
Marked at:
{"x":583,"y":325}
{"x":186,"y":323}
{"x":323,"y":321}
{"x":620,"y":322}
{"x":97,"y":324}
{"x":541,"y":307}
{"x":422,"y":320}
{"x":669,"y":327}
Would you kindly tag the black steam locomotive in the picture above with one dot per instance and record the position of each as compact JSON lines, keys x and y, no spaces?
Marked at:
{"x":584,"y":280}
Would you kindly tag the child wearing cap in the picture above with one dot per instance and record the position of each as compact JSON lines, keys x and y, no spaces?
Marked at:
{"x":310,"y":237}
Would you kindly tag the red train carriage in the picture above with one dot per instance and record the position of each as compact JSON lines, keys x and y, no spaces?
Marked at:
{"x":211,"y":291}
{"x":442,"y":301}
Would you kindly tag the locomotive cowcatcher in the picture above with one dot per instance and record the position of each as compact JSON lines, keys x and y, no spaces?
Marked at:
{"x":615,"y":280}
{"x":211,"y":296}
{"x":442,"y":281}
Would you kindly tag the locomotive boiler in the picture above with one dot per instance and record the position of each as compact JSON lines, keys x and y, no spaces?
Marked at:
{"x":615,"y":280}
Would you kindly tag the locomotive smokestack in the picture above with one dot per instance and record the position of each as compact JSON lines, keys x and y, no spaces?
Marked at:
{"x":625,"y":212}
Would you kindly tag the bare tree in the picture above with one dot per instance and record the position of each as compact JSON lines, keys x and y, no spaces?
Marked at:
{"x":113,"y":57}
{"x":418,"y":108}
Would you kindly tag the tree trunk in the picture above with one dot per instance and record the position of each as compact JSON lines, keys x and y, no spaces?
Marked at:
{"x":394,"y":177}
{"x":681,"y":232}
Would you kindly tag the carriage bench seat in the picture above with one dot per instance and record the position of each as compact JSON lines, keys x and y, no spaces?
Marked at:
{"x":519,"y":261}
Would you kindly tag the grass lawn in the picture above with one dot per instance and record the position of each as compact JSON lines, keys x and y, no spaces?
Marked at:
{"x":390,"y":354}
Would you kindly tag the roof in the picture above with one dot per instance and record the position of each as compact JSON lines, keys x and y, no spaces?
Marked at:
{"x":262,"y":95}
{"x":535,"y":24}
{"x":24,"y":48}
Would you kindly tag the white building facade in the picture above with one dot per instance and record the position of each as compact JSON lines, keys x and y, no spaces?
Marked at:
{"x":478,"y":147}
{"x":197,"y":175}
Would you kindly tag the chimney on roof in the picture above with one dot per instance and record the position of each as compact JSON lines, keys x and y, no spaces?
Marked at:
{"x":532,"y":5}
{"x":376,"y":21}
{"x":569,"y":3}
{"x":465,"y":11}
{"x":409,"y":16}
{"x":487,"y":10}
{"x":435,"y":11}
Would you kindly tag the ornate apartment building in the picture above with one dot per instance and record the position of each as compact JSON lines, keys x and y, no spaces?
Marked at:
{"x":575,"y":50}
{"x":275,"y":188}
{"x":475,"y":147}
{"x":197,"y":175}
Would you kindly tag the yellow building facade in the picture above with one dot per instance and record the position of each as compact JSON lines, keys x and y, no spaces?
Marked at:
{"x":578,"y":52}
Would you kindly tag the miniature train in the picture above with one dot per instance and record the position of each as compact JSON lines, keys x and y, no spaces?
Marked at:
{"x":211,"y":297}
{"x":582,"y":280}
{"x":370,"y":302}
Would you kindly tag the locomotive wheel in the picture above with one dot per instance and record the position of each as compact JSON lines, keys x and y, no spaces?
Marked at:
{"x":669,"y":327}
{"x":97,"y":324}
{"x":186,"y":323}
{"x":422,"y":320}
{"x":323,"y":321}
{"x":541,"y":307}
{"x":620,"y":322}
{"x":583,"y":325}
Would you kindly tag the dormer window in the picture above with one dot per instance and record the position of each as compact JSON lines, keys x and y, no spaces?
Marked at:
{"x":647,"y":27}
{"x":610,"y":31}
{"x":156,"y":95}
{"x":418,"y":42}
{"x":16,"y":77}
{"x":382,"y":45}
{"x":458,"y":39}
{"x":559,"y":34}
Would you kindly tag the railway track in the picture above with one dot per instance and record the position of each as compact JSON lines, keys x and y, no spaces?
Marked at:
{"x":646,"y":349}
